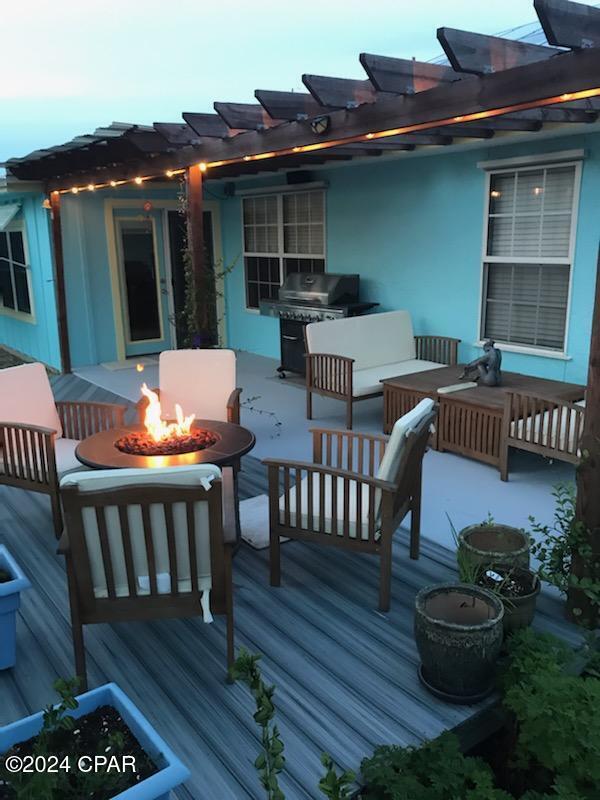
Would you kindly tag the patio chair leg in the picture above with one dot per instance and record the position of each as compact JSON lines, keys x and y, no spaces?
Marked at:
{"x":385,"y":577}
{"x":415,"y":526}
{"x":503,"y":463}
{"x":57,"y":517}
{"x":229,"y":614}
{"x":275,"y":559}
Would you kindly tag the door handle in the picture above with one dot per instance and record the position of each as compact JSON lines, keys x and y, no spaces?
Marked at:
{"x":289,"y":338}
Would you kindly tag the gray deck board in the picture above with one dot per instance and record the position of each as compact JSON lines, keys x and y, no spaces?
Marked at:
{"x":346,"y":674}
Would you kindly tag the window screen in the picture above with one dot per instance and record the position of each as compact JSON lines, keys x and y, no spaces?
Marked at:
{"x":527,"y":263}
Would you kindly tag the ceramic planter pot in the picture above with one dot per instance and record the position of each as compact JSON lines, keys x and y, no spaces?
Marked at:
{"x":172,"y":773}
{"x":520,"y":611}
{"x":458,"y":631}
{"x":10,"y":600}
{"x":495,"y":544}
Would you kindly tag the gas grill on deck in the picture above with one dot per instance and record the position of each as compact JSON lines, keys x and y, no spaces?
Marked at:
{"x":310,"y":297}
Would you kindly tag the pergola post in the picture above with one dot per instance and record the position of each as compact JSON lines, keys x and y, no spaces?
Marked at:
{"x":200,"y":276}
{"x":588,"y":476}
{"x":59,"y":283}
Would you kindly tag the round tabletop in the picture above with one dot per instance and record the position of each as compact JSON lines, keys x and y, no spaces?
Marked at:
{"x":99,"y":451}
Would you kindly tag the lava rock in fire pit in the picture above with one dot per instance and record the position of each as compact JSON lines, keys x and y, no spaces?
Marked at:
{"x":140,"y":443}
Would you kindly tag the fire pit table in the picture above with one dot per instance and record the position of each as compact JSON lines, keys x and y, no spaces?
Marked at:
{"x":231,"y":442}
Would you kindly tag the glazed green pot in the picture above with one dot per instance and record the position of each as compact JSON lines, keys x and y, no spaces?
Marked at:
{"x":459,"y":632}
{"x":495,"y":544}
{"x":520,"y":611}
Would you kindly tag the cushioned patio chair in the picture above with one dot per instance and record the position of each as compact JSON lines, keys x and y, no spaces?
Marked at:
{"x":202,"y":382}
{"x":354,"y":494}
{"x":38,"y":435}
{"x":552,"y":428}
{"x":148,"y":544}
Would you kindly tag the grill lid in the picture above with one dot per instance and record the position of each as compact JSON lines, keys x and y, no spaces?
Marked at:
{"x":322,"y":288}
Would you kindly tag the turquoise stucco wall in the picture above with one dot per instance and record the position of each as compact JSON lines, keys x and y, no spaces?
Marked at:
{"x":89,"y":295}
{"x":38,"y":338}
{"x":413,"y":230}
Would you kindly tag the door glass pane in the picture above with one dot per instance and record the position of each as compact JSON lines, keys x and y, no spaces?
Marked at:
{"x":139,"y":274}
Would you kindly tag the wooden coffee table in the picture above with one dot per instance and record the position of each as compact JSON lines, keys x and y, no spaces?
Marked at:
{"x":469,"y":421}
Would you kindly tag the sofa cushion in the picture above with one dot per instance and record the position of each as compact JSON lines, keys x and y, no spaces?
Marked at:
{"x":66,"y":460}
{"x":564,"y":437}
{"x":353,"y":528}
{"x":199,"y":380}
{"x":367,"y":381}
{"x":26,"y":397}
{"x":370,"y":339}
{"x":388,"y":468}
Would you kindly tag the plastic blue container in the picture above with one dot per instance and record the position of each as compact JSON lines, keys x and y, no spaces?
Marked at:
{"x":10,"y":600}
{"x":172,"y":773}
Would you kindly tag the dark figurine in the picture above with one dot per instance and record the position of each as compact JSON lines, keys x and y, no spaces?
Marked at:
{"x":487,"y":366}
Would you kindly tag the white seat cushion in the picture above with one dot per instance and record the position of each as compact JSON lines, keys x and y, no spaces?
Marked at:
{"x":102,"y":480}
{"x":66,"y":460}
{"x":388,"y":468}
{"x":570,"y":431}
{"x":353,"y":527}
{"x":370,"y":339}
{"x":367,"y":381}
{"x":201,"y":381}
{"x":26,"y":397}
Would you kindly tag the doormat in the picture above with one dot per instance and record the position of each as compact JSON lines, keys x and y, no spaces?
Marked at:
{"x":130,"y":363}
{"x":254,"y":522}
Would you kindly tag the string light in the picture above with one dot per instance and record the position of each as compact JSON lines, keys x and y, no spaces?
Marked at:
{"x":91,"y":187}
{"x":478,"y":115}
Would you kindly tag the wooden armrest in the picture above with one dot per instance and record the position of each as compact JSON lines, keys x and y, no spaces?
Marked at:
{"x":63,"y":544}
{"x":83,"y":418}
{"x":25,"y":426}
{"x":330,"y":355}
{"x":329,"y":373}
{"x":229,"y":516}
{"x":233,"y":406}
{"x":334,"y":472}
{"x":440,"y":349}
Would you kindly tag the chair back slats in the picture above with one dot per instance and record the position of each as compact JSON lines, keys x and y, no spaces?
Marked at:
{"x":24,"y":454}
{"x":171,"y":547}
{"x":145,"y":541}
{"x":334,"y":503}
{"x":82,"y":419}
{"x":298,"y":497}
{"x":547,"y":426}
{"x":127,"y":551}
{"x":107,"y":562}
{"x":360,"y":453}
{"x":322,"y":528}
{"x":310,"y":488}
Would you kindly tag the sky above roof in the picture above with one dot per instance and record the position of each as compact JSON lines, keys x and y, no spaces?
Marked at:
{"x":69,"y":66}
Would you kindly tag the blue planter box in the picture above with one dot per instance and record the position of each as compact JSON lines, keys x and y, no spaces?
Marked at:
{"x":172,"y":772}
{"x":10,"y":600}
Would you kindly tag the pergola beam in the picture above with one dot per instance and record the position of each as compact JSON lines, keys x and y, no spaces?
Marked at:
{"x":340,"y":92}
{"x":481,"y":55}
{"x":209,"y":126}
{"x":246,"y":116}
{"x":518,"y":89}
{"x":568,"y":24}
{"x":404,"y":75}
{"x":290,"y":105}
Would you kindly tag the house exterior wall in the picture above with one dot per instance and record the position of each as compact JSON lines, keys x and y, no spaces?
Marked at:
{"x":413,"y":228}
{"x":36,"y":337}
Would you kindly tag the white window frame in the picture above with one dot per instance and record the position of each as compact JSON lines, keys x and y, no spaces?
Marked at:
{"x":569,"y":260}
{"x":18,"y":226}
{"x":280,"y":254}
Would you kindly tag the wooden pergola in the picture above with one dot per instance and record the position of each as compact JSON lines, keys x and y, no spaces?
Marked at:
{"x":490,"y":86}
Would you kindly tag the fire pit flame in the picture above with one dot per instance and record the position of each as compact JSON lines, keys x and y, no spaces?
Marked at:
{"x":156,"y":426}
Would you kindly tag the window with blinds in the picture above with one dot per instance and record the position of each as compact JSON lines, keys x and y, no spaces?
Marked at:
{"x":527,"y":263}
{"x":15,"y":292}
{"x":283,"y":233}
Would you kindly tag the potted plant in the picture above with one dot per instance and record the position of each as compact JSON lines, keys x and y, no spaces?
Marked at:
{"x":490,"y":543}
{"x":104,"y":748}
{"x":458,"y":631}
{"x":517,"y":586}
{"x":12,"y":583}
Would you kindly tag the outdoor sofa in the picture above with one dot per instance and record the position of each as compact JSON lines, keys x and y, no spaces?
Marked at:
{"x":348,"y":358}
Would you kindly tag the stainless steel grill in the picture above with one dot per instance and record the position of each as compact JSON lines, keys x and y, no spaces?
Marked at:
{"x":310,"y":297}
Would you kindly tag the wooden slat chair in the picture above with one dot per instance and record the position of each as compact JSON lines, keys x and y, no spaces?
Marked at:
{"x":355,"y":494}
{"x":202,"y":382}
{"x":148,"y":544}
{"x":38,"y":435}
{"x":553,"y":428}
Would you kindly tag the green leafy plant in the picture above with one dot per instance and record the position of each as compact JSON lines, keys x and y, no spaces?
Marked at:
{"x":469,"y":568}
{"x":271,"y":760}
{"x":556,"y":545}
{"x":436,"y":770}
{"x":556,"y":711}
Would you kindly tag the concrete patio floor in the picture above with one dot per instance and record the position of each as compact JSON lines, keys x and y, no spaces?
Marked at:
{"x":463,"y":489}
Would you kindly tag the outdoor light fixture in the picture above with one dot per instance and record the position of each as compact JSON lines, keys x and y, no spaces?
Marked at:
{"x":320,"y":125}
{"x":495,"y":194}
{"x":169,"y":173}
{"x":138,"y":180}
{"x":113,"y":183}
{"x":202,"y":166}
{"x":91,"y":187}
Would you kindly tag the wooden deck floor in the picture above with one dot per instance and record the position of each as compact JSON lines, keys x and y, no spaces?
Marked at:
{"x":346,"y":674}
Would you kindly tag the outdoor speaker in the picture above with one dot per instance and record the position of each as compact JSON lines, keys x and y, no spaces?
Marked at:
{"x":299,"y":176}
